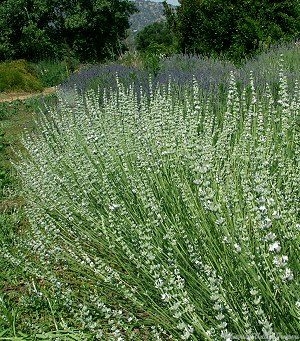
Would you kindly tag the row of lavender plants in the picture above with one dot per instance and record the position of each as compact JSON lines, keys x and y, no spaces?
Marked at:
{"x":154,"y":217}
{"x":211,"y":74}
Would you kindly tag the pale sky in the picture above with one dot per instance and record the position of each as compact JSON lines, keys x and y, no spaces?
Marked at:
{"x":172,"y":2}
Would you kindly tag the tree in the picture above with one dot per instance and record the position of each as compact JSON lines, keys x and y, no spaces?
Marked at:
{"x":156,"y":36}
{"x":39,"y":29}
{"x":233,"y":28}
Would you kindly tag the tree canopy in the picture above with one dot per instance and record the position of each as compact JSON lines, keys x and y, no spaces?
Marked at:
{"x":156,"y":36}
{"x":41,"y":29}
{"x":233,"y":28}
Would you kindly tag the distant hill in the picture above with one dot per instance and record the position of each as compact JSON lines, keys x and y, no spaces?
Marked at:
{"x":149,"y":12}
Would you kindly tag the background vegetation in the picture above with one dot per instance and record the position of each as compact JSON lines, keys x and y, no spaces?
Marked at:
{"x":233,"y":29}
{"x":156,"y":38}
{"x":43,"y":29}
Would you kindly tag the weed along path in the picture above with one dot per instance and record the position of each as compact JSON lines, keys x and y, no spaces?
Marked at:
{"x":13,"y":96}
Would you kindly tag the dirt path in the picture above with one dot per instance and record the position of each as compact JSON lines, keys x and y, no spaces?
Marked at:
{"x":13,"y":96}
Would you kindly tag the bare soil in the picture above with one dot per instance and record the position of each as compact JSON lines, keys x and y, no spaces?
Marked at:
{"x":13,"y":96}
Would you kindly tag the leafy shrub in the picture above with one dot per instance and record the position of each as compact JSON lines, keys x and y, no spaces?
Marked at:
{"x":156,"y":38}
{"x":151,"y":61}
{"x":18,"y":76}
{"x":51,"y":72}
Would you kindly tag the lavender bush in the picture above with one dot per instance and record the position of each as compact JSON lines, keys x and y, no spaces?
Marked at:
{"x":179,"y":70}
{"x":103,"y":76}
{"x":211,"y":74}
{"x":167,"y":219}
{"x":208,"y":72}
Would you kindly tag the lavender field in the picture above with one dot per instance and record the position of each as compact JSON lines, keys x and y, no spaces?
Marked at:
{"x":163,"y":207}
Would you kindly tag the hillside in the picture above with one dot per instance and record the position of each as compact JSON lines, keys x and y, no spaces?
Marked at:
{"x":149,"y":12}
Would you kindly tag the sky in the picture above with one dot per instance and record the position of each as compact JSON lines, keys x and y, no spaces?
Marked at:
{"x":172,"y":2}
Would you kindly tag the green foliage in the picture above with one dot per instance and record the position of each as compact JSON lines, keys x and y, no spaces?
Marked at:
{"x":13,"y":117}
{"x":4,"y":176}
{"x":18,"y":76}
{"x":24,"y":76}
{"x":153,"y":42}
{"x":47,"y":29}
{"x":52,"y":73}
{"x":151,"y":62}
{"x":156,"y":37}
{"x":234,"y":29}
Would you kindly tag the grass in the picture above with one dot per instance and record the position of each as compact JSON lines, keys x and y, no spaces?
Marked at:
{"x":15,"y":296}
{"x":135,"y":208}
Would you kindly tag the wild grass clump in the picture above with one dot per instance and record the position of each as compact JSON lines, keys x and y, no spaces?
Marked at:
{"x":162,"y":219}
{"x":18,"y":76}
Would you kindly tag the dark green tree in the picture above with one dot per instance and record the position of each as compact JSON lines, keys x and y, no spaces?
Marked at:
{"x":156,"y":36}
{"x":235,"y":29}
{"x":41,"y":29}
